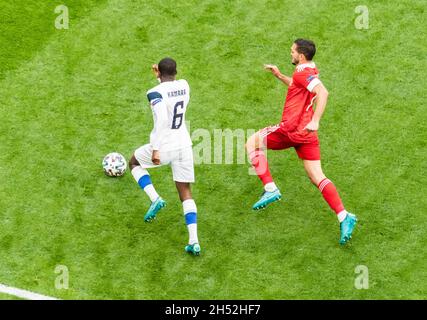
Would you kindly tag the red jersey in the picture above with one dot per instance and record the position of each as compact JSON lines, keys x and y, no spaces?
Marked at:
{"x":298,"y":109}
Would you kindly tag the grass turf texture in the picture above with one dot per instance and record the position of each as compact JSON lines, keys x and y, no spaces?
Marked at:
{"x":68,"y":97}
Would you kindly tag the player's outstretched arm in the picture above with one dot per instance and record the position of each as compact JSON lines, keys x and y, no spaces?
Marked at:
{"x":276,"y":72}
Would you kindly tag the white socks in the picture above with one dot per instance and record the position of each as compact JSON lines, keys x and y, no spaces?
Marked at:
{"x":142,"y":177}
{"x":151,"y":192}
{"x":192,"y":231}
{"x":190,"y":214}
{"x":342,"y":215}
{"x":270,"y":187}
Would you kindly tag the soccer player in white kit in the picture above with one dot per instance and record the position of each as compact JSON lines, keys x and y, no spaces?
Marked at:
{"x":170,"y":144}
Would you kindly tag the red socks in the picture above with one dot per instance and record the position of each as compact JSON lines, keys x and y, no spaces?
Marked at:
{"x":330,"y":194}
{"x":260,"y":164}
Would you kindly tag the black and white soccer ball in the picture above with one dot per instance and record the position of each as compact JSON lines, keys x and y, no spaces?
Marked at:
{"x":114,"y":164}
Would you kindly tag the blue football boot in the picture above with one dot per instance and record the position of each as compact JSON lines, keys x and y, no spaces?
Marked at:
{"x":193,"y":248}
{"x":267,"y":198}
{"x":154,"y":209}
{"x":347,"y":227}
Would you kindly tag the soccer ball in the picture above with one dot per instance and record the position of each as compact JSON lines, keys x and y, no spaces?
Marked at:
{"x":114,"y":164}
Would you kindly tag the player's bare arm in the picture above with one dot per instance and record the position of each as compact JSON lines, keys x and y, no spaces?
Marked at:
{"x":276,"y":72}
{"x":321,"y":100}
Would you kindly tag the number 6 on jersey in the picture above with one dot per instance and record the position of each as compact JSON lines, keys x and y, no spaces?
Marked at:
{"x":177,"y":117}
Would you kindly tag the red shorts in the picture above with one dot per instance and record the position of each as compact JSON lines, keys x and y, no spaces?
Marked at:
{"x":275,"y":139}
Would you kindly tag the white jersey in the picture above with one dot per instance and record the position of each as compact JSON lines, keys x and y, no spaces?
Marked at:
{"x":168,"y":102}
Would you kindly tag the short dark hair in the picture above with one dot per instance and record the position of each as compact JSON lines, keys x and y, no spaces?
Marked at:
{"x":306,"y":47}
{"x":167,"y":67}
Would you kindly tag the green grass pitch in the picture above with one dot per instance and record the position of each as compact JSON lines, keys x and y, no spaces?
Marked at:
{"x":69,"y":97}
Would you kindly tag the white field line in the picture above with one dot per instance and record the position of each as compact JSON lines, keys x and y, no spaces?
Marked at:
{"x":23,"y":293}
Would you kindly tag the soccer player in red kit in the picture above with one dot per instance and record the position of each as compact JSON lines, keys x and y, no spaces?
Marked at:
{"x":305,"y":103}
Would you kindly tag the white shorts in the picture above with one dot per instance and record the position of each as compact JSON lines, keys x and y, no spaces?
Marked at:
{"x":181,"y":161}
